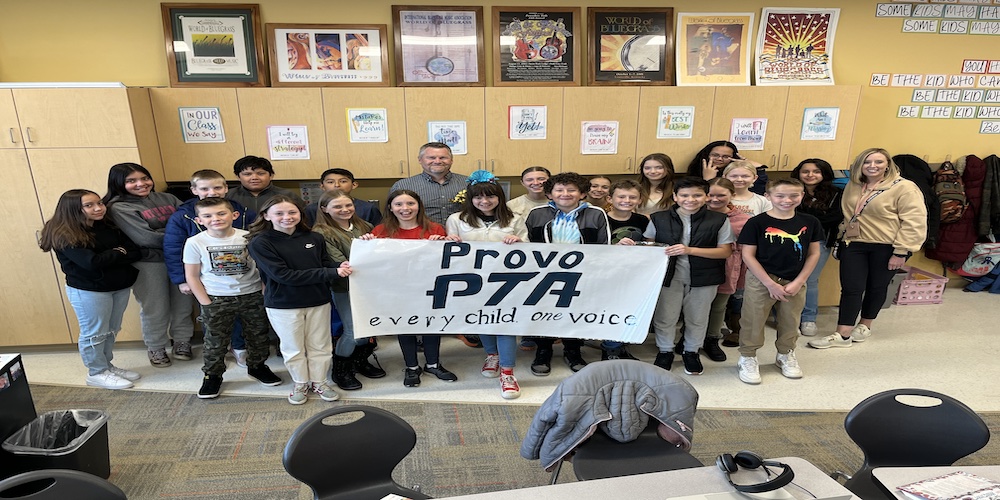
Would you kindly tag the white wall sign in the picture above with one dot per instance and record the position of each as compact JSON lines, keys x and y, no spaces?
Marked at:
{"x":451,"y":133}
{"x":368,"y":125}
{"x":820,"y":124}
{"x":201,"y":125}
{"x":748,"y":133}
{"x":527,"y":122}
{"x":288,"y":142}
{"x":675,"y":122}
{"x":599,"y":138}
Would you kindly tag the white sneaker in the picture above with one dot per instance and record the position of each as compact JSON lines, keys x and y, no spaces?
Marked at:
{"x":241,"y":357}
{"x":326,"y":393}
{"x":832,"y":340}
{"x":860,"y":333}
{"x":108,"y":380}
{"x":491,"y":368}
{"x":749,"y":370}
{"x":808,"y":328}
{"x":123,"y":373}
{"x":788,"y":364}
{"x":300,"y":393}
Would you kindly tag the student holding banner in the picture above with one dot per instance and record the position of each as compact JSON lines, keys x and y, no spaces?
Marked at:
{"x":485,"y":217}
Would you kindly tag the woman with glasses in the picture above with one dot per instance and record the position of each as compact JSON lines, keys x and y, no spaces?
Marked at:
{"x":716,"y":156}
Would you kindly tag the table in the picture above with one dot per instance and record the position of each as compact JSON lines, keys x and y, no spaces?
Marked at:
{"x":675,"y":483}
{"x":893,"y":477}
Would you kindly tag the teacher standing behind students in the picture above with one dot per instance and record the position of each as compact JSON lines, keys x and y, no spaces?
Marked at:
{"x":885,"y":221}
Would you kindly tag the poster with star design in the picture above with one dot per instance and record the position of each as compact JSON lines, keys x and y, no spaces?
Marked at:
{"x":795,"y":46}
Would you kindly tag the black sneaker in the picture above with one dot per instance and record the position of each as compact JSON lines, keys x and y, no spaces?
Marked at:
{"x":211,"y":387}
{"x":692,"y":363}
{"x":664,"y":360}
{"x":712,"y":350}
{"x":264,"y":375}
{"x":679,"y":348}
{"x":574,"y":359}
{"x":542,"y":364}
{"x":441,"y":372}
{"x":411,"y":378}
{"x":612,"y":353}
{"x":628,"y":355}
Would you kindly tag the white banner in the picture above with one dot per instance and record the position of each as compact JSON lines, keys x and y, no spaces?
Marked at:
{"x":546,"y":290}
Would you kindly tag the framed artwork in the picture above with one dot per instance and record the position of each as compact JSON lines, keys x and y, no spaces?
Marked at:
{"x":536,"y":46}
{"x":309,"y":55}
{"x":213,"y":45}
{"x":438,"y":46}
{"x":714,"y":48}
{"x":795,"y":46}
{"x":630,"y":46}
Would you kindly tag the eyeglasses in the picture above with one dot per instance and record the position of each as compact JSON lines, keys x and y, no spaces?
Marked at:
{"x":717,"y":156}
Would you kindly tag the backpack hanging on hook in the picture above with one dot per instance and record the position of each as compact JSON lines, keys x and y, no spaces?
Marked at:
{"x":950,"y":191}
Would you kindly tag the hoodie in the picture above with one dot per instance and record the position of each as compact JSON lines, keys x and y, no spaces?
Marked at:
{"x":295,"y":268}
{"x":144,"y":220}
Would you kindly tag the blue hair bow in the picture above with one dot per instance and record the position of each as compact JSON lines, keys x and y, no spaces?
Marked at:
{"x":481,"y":176}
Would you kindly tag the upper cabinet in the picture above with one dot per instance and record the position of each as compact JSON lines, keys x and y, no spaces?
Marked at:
{"x":11,"y":129}
{"x":793,"y":149}
{"x":752,"y":102}
{"x":261,"y":108}
{"x":457,"y":104}
{"x":180,"y":158}
{"x":590,"y":104}
{"x":507,"y":157}
{"x":75,"y":118}
{"x":367,"y":160}
{"x":681,"y":151}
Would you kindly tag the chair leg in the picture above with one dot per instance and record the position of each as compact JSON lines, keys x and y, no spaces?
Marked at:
{"x":555,"y":472}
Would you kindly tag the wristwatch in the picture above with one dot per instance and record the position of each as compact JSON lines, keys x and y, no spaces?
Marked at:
{"x":903,"y":255}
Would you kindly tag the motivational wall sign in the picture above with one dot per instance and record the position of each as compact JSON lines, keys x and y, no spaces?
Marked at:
{"x":437,"y":287}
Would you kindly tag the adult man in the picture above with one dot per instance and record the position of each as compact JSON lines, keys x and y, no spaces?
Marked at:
{"x":436,"y":185}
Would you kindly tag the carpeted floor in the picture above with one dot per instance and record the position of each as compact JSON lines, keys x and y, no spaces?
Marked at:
{"x":176,"y":446}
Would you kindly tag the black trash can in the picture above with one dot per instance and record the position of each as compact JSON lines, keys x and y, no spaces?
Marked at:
{"x":63,"y":439}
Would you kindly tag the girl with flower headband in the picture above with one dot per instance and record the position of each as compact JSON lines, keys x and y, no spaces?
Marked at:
{"x":485,"y":217}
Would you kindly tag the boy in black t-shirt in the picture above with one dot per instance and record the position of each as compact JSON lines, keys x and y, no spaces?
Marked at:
{"x":626,"y":228}
{"x":780,"y":250}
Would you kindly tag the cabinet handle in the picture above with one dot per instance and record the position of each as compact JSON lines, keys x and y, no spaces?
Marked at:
{"x":493,"y":166}
{"x":11,"y":131}
{"x":785,"y":163}
{"x":628,"y":164}
{"x":479,"y":164}
{"x":28,"y":130}
{"x":773,"y":160}
{"x":400,"y":167}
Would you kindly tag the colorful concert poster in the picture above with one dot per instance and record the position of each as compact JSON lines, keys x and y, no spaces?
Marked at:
{"x":537,"y":47}
{"x":795,"y":46}
{"x":714,"y":48}
{"x":631,"y":46}
{"x":306,"y":54}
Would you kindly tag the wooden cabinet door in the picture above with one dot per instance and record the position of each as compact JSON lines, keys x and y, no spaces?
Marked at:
{"x":752,"y":102}
{"x":454,"y":104}
{"x":32,"y":310}
{"x":367,"y":160}
{"x":90,"y":171}
{"x":181,"y":159}
{"x":681,"y":151}
{"x":75,"y":118}
{"x":837,"y":152}
{"x":10,"y":129}
{"x":584,"y":104}
{"x":263,"y":108}
{"x":506,"y":157}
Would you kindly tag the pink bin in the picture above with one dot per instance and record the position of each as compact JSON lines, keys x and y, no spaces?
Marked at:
{"x":921,"y":287}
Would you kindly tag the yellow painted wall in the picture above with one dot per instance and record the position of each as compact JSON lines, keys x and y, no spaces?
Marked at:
{"x":122,"y":40}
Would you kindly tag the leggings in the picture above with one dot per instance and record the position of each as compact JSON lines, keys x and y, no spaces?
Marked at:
{"x":864,"y":278}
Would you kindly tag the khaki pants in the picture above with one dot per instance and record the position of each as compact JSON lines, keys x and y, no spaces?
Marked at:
{"x":757,"y":304}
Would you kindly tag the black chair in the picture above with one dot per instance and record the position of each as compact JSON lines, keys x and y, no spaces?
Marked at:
{"x":59,"y":484}
{"x":895,"y":433}
{"x":601,"y":457}
{"x":353,"y":460}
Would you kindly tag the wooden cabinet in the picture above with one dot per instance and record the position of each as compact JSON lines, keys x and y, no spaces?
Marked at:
{"x":9,"y":126}
{"x":75,"y":118}
{"x":506,"y":157}
{"x":681,"y":151}
{"x":752,"y":102}
{"x":837,"y":151}
{"x":466,"y":104}
{"x":263,"y":108}
{"x":367,"y":160}
{"x":181,"y":159}
{"x":583,"y":104}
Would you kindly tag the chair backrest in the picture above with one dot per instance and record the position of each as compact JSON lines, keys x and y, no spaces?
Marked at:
{"x":895,"y":433}
{"x":353,"y":459}
{"x":59,"y":484}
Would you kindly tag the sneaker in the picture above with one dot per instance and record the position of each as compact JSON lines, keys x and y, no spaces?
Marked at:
{"x":665,"y":360}
{"x":123,"y":373}
{"x":326,"y":393}
{"x":713,"y":351}
{"x":182,"y":351}
{"x":542,"y":365}
{"x":832,"y":340}
{"x":300,"y":394}
{"x":441,"y":372}
{"x":808,"y":329}
{"x":731,"y":339}
{"x":471,"y":340}
{"x":108,"y":380}
{"x":528,"y":345}
{"x":411,"y":377}
{"x":211,"y":387}
{"x":679,"y":347}
{"x":264,"y":375}
{"x":574,"y":360}
{"x":491,"y":368}
{"x":749,"y":370}
{"x":158,"y":358}
{"x":612,"y":353}
{"x":860,"y":333}
{"x":241,"y":357}
{"x":508,"y":386}
{"x":692,"y":363}
{"x":625,"y":354}
{"x":788,"y":364}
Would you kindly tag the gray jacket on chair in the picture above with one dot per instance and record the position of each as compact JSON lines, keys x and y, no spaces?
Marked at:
{"x":620,"y":396}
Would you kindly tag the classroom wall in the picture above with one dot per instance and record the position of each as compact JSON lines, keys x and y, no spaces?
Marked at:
{"x":122,"y":40}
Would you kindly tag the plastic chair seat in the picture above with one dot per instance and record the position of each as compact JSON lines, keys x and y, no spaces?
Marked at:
{"x":601,"y":457}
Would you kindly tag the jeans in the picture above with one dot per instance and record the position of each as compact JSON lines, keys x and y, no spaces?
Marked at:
{"x":345,"y":342}
{"x":811,"y":308}
{"x":504,"y":345}
{"x":100,"y":316}
{"x":432,"y":349}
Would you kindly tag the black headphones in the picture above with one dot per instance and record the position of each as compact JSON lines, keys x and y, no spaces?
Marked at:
{"x":750,"y":460}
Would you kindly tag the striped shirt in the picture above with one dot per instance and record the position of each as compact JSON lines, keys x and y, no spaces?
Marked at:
{"x":437,"y":198}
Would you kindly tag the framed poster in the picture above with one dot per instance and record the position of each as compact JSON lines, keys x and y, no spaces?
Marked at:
{"x":536,"y":46}
{"x":630,"y":46}
{"x":438,"y":46}
{"x":313,"y":55}
{"x":795,"y":46}
{"x":213,"y":45}
{"x":714,"y":48}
